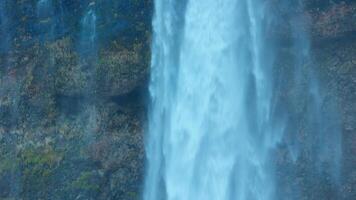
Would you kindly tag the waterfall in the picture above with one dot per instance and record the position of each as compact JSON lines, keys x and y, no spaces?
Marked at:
{"x":215,"y":120}
{"x":88,"y":59}
{"x":88,"y":44}
{"x":210,"y":130}
{"x":88,"y":32}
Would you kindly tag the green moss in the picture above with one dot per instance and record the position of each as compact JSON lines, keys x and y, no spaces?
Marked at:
{"x":132,"y":195}
{"x":46,"y":158}
{"x":7,"y":164}
{"x":38,"y":165}
{"x":86,"y":182}
{"x":120,"y":69}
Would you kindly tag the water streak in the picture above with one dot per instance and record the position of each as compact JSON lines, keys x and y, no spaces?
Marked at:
{"x":88,"y":60}
{"x":88,"y":35}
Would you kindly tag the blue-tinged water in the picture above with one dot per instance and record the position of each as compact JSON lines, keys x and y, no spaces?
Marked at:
{"x":216,"y":124}
{"x":88,"y":33}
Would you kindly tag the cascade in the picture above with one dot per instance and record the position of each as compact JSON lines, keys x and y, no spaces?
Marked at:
{"x":89,"y":58}
{"x":88,"y":33}
{"x":215,"y":120}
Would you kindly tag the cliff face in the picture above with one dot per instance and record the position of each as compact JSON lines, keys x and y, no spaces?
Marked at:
{"x":71,"y":122}
{"x":336,"y":60}
{"x":331,"y":45}
{"x":323,"y":20}
{"x":72,"y":128}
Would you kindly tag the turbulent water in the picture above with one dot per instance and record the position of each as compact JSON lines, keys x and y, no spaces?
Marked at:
{"x":215,"y":121}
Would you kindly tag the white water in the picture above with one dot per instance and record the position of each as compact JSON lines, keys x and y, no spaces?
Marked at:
{"x":210,"y":132}
{"x":216,"y":125}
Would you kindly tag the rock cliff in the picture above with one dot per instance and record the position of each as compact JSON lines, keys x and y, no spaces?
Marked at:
{"x":72,"y":128}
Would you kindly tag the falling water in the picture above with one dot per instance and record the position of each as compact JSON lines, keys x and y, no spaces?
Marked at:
{"x":88,"y":61}
{"x":210,"y":130}
{"x":88,"y":33}
{"x":88,"y":46}
{"x":214,"y":120}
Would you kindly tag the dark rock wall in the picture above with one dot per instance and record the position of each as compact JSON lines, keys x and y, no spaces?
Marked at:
{"x":69,"y":133}
{"x":332,"y":47}
{"x":333,"y":63}
{"x":336,"y":61}
{"x":334,"y":52}
{"x":70,"y":129}
{"x":323,"y":20}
